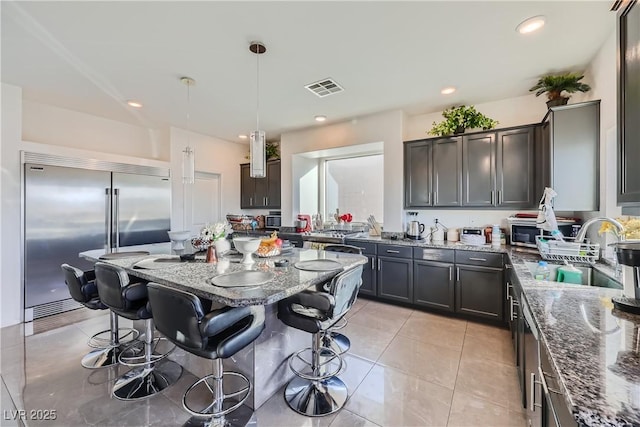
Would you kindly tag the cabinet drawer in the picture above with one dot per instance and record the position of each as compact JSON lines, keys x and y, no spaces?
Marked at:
{"x":485,"y":259}
{"x":442,"y":255}
{"x":368,"y":248}
{"x":395,"y":251}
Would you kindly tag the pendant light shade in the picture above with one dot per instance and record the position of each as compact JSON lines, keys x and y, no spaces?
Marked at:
{"x":257,"y":145}
{"x":188,"y":155}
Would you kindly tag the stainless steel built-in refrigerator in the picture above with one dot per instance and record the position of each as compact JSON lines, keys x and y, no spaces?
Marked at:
{"x":77,"y":205}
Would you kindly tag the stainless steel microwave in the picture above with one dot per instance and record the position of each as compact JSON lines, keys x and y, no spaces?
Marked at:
{"x":272,"y":222}
{"x":524,"y":231}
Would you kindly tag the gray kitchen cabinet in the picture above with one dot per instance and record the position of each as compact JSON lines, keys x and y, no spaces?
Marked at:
{"x":478,"y":170}
{"x":628,"y":29}
{"x":480,"y":285}
{"x":258,"y":193}
{"x":515,"y":175}
{"x":433,"y":173}
{"x":369,"y":271}
{"x":433,"y":285}
{"x":570,"y":156}
{"x":395,"y":273}
{"x":417,"y":174}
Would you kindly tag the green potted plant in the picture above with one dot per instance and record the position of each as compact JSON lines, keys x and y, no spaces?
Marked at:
{"x":458,"y":119}
{"x":554,"y":85}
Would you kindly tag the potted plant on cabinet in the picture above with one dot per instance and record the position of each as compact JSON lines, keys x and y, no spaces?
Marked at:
{"x":554,"y":85}
{"x":459,"y":119}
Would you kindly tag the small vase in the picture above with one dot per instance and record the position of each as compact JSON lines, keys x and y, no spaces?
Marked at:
{"x":211,"y":255}
{"x":557,"y":101}
{"x":222,"y":246}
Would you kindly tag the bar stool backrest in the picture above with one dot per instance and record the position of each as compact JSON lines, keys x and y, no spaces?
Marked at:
{"x":344,"y":288}
{"x":111,"y":280}
{"x":177,"y":314}
{"x":76,"y":282}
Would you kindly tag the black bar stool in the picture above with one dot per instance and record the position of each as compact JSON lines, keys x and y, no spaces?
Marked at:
{"x":215,"y":334}
{"x":336,"y":341}
{"x":83,"y":289}
{"x":316,"y":390}
{"x":129,"y":299}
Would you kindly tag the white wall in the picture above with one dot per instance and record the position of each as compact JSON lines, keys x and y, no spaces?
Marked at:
{"x":521,"y":110}
{"x":52,"y":125}
{"x":212,"y":155}
{"x":386,"y":127}
{"x":10,"y":242}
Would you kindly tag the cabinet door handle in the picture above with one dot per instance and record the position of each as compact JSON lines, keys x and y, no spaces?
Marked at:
{"x":478,"y":259}
{"x":499,"y":197}
{"x":492,"y":197}
{"x":510,"y":308}
{"x":250,"y":201}
{"x":532,"y":392}
{"x":378,"y":264}
{"x":508,"y":294}
{"x":450,"y":273}
{"x":458,"y":274}
{"x":264,"y":199}
{"x":373,"y":264}
{"x":435,"y":197}
{"x":391,"y":251}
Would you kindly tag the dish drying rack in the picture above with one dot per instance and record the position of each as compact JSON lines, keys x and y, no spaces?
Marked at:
{"x":557,"y":250}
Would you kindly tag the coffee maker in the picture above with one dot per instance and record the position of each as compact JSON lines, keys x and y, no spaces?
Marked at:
{"x":628,"y":254}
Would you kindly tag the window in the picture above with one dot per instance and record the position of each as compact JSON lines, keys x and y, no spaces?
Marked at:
{"x":354,"y":185}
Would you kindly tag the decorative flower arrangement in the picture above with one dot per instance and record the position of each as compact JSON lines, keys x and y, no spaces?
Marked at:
{"x":631,"y":228}
{"x":210,"y":233}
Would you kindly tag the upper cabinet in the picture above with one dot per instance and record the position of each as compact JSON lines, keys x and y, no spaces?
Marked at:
{"x":480,"y":170}
{"x":260,"y":193}
{"x":570,"y":156}
{"x":628,"y":104}
{"x":433,"y":173}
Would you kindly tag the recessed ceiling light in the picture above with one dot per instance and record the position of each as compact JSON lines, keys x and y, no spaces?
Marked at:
{"x":242,"y":136}
{"x":448,"y":90}
{"x":530,"y":25}
{"x":320,"y":118}
{"x":134,"y":104}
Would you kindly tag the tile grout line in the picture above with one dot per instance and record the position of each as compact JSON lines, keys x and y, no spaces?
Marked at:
{"x":455,"y":384}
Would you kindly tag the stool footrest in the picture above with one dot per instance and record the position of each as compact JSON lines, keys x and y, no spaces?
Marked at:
{"x":134,"y":354}
{"x":126,"y":335}
{"x":326,"y":356}
{"x":208,"y":412}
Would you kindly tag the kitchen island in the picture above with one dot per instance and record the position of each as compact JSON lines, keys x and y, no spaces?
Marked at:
{"x":263,"y":362}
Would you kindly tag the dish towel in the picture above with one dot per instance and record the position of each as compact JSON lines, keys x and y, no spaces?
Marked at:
{"x":546,"y":219}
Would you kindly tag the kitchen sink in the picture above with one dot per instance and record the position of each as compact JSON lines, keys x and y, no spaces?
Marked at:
{"x":590,"y":276}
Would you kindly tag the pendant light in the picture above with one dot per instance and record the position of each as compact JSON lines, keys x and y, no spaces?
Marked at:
{"x":257,"y":144}
{"x":188,"y":155}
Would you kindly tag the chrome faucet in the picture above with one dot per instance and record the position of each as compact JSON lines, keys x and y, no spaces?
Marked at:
{"x":583,"y":231}
{"x":619,"y":234}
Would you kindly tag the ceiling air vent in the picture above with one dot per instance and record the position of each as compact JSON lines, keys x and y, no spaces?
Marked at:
{"x":324,"y":87}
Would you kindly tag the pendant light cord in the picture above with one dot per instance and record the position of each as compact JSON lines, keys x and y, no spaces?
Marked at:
{"x":258,"y":90}
{"x":188,"y":113}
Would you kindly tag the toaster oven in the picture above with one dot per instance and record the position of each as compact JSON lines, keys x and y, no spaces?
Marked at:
{"x":523,"y":231}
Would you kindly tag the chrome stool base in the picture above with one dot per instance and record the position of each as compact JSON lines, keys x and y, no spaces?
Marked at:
{"x":316,"y":398}
{"x":238,"y":418}
{"x":143,"y":382}
{"x":221,"y":404}
{"x":101,"y":358}
{"x":125,"y":336}
{"x":336,"y":342}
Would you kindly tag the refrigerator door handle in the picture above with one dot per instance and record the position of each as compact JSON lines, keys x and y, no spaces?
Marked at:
{"x":116,"y":215}
{"x":107,"y":222}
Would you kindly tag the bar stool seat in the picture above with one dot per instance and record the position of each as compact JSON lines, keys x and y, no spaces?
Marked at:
{"x":151,"y":374}
{"x":108,"y":343}
{"x":211,"y":332}
{"x":316,"y":390}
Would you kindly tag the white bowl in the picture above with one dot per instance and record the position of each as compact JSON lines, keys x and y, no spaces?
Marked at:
{"x":178,"y":238}
{"x":246,"y":246}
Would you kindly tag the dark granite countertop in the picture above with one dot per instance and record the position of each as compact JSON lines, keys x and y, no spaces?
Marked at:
{"x":196,"y":276}
{"x":424,"y":244}
{"x":594,"y":348}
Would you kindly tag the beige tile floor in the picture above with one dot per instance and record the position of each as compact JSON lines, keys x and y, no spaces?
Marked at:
{"x":405,"y":368}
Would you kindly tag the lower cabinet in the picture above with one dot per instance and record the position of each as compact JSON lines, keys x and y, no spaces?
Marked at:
{"x":395,"y":279}
{"x":369,"y":279}
{"x":433,"y":285}
{"x":480,"y":291}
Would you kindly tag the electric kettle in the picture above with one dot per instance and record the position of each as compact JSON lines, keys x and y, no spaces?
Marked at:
{"x":415,"y":230}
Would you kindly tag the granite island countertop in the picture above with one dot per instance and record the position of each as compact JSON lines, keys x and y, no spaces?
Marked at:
{"x":195,"y":276}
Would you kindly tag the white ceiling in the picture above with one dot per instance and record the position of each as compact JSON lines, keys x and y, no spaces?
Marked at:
{"x":92,"y":56}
